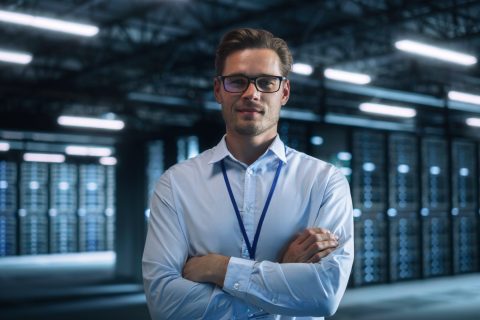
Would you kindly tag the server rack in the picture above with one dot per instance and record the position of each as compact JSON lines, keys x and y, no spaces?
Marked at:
{"x":435,"y":222}
{"x":294,"y":134}
{"x":369,"y":200}
{"x":110,"y":212}
{"x":155,"y":168}
{"x":403,"y":220}
{"x":187,"y":147}
{"x":33,"y":221}
{"x":63,"y":205}
{"x":8,"y":208}
{"x":464,"y":205}
{"x":91,"y":212}
{"x":330,"y":144}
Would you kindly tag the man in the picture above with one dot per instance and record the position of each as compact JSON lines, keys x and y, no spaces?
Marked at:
{"x":251,"y":228}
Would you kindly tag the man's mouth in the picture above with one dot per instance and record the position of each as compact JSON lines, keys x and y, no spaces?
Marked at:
{"x":249,"y":111}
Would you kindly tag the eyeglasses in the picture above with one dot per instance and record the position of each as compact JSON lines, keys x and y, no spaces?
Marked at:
{"x":240,"y":83}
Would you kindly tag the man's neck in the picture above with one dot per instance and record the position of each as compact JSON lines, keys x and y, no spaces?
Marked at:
{"x":248,"y":149}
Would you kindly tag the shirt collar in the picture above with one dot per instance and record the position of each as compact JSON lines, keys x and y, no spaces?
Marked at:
{"x":221,"y":151}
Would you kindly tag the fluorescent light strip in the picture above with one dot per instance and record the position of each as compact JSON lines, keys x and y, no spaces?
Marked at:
{"x":44,"y":157}
{"x":85,"y":122}
{"x":392,"y":111}
{"x":473,"y":122}
{"x":88,"y":151}
{"x":435,"y":52}
{"x":464,"y":97}
{"x":4,"y":146}
{"x":302,"y":68}
{"x":108,"y":161}
{"x":78,"y":29}
{"x":15,"y":57}
{"x":345,"y":76}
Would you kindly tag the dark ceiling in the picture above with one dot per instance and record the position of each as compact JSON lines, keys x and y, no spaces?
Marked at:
{"x":152,"y":61}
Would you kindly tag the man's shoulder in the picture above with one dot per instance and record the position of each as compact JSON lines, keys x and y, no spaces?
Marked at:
{"x":308,"y":160}
{"x":191,"y":165}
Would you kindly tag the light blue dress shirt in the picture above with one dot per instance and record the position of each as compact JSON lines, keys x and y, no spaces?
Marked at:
{"x":191,"y":215}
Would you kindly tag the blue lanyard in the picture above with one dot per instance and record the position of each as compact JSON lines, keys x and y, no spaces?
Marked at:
{"x":252,"y":248}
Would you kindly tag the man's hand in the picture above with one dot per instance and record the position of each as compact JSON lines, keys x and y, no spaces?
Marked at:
{"x":310,"y":246}
{"x":210,"y":268}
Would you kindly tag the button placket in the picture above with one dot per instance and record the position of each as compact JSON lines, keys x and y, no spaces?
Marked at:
{"x":248,"y":204}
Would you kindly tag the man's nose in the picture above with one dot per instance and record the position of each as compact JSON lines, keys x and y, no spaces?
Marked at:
{"x":251,"y":92}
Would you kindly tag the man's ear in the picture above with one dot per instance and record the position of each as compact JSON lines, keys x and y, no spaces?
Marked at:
{"x":217,"y":87}
{"x":285,"y":92}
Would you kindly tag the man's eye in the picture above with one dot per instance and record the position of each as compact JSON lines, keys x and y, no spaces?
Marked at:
{"x":266,"y":82}
{"x":237,"y":81}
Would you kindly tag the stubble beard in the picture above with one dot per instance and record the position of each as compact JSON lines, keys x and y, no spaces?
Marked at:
{"x":254,"y":127}
{"x":251,"y":127}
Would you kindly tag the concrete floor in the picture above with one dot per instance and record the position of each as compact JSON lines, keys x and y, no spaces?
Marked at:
{"x":455,"y":297}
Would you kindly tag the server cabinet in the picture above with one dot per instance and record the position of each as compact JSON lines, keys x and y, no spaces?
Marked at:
{"x":436,"y":244}
{"x":110,"y":210}
{"x":187,"y":147}
{"x":464,"y":204}
{"x":435,"y":184}
{"x":91,"y":218}
{"x":63,"y":205}
{"x":369,"y":201}
{"x":8,"y":208}
{"x":403,"y":172}
{"x":370,"y":265}
{"x":33,"y":221}
{"x":294,"y":134}
{"x":465,"y":242}
{"x":330,"y":144}
{"x":404,"y":247}
{"x":435,"y":205}
{"x":155,"y":168}
{"x":369,"y":171}
{"x":403,"y":220}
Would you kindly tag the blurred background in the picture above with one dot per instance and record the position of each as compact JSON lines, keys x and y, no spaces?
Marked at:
{"x":98,"y":98}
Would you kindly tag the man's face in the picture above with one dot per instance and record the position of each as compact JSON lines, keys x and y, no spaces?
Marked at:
{"x":252,"y":113}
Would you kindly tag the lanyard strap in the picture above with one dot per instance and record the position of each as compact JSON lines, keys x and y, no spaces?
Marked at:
{"x":251,"y":248}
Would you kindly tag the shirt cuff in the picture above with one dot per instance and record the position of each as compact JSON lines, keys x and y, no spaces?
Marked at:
{"x":237,"y":278}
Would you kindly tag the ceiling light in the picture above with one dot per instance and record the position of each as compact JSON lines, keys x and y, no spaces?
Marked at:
{"x":473,"y":122}
{"x":108,"y":161}
{"x":85,"y":122}
{"x":15,"y":57}
{"x":302,"y":68}
{"x":4,"y":146}
{"x":435,"y":52}
{"x":78,"y":29}
{"x":88,"y":151}
{"x":464,"y":97}
{"x":339,"y":75}
{"x":44,"y":157}
{"x":387,"y":110}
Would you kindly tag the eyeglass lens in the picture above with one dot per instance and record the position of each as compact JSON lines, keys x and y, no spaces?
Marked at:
{"x":263,"y":84}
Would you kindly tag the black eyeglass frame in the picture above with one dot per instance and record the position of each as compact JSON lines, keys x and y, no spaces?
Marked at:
{"x":250,"y":80}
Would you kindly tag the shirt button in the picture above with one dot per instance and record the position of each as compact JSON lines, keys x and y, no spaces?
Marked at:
{"x":274,"y":300}
{"x":250,"y":171}
{"x":236,"y":286}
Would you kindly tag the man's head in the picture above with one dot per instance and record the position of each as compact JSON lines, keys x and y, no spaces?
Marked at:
{"x":246,"y":38}
{"x":251,"y":83}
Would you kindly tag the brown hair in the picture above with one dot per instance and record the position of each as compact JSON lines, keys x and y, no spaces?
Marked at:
{"x":246,"y":38}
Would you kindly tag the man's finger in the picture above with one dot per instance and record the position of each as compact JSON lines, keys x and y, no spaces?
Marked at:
{"x":320,"y":255}
{"x":317,"y":238}
{"x":321,"y":246}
